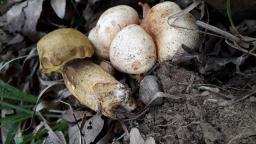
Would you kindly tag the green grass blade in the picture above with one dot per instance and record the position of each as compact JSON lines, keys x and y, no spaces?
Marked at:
{"x":18,"y":108}
{"x":39,"y":142}
{"x":2,"y":2}
{"x":10,"y":92}
{"x":16,"y":118}
{"x":229,"y":13}
{"x":23,"y":106}
{"x":12,"y":131}
{"x":40,"y":134}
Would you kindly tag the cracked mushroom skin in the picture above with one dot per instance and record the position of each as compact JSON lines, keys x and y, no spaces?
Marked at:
{"x":108,"y":25}
{"x":97,"y":89}
{"x":170,"y":38}
{"x":133,"y":50}
{"x":61,"y":46}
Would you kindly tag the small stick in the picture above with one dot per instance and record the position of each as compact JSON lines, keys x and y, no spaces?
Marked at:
{"x":246,"y":96}
{"x":186,"y":10}
{"x":240,"y":48}
{"x":218,"y":31}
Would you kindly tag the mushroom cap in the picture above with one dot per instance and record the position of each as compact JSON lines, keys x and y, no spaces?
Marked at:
{"x":61,"y":46}
{"x":169,"y":38}
{"x":108,"y":25}
{"x":133,"y":50}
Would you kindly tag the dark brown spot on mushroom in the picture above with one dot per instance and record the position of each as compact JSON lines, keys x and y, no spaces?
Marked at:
{"x":136,"y":65}
{"x":164,"y":15}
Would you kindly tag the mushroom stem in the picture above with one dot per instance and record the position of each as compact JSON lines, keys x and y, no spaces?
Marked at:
{"x":97,"y":89}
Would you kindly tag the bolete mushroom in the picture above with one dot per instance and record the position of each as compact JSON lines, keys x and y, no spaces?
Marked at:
{"x":170,"y":33}
{"x":64,"y":50}
{"x":133,"y":50}
{"x":108,"y":25}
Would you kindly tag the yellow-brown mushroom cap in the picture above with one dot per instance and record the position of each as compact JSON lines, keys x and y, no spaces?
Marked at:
{"x":61,"y":46}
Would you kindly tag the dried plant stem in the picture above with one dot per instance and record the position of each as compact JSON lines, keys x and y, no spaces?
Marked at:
{"x":185,"y":11}
{"x":246,"y":96}
{"x":18,"y":58}
{"x":218,"y":31}
{"x":236,"y":46}
{"x":50,"y":131}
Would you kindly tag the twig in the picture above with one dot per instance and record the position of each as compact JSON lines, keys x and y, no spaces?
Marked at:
{"x":228,"y":36}
{"x":215,"y":91}
{"x":80,"y":130}
{"x":38,"y":98}
{"x":124,"y":128}
{"x":156,"y":96}
{"x":246,"y":96}
{"x":119,"y":138}
{"x":196,"y":30}
{"x":18,"y":58}
{"x":55,"y":136}
{"x":185,"y":11}
{"x":241,"y":135}
{"x":236,"y":46}
{"x":218,"y":31}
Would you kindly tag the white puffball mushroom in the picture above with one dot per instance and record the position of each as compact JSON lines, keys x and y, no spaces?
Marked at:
{"x":108,"y":25}
{"x":169,"y":38}
{"x":133,"y":50}
{"x":149,"y":86}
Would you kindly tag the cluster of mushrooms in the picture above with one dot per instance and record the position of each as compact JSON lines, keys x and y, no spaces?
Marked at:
{"x":130,"y":44}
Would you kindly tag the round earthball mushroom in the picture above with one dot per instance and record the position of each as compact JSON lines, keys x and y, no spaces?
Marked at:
{"x":133,"y":50}
{"x":108,"y":25}
{"x":170,"y":34}
{"x":63,"y":51}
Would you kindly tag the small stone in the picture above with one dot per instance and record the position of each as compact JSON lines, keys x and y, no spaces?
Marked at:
{"x":149,"y":86}
{"x":135,"y":137}
{"x":150,"y":140}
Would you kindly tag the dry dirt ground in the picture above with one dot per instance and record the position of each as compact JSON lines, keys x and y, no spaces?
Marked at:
{"x":215,"y":89}
{"x":205,"y":113}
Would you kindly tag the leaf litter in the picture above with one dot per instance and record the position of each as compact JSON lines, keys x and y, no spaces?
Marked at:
{"x":87,"y":133}
{"x":212,"y":93}
{"x":23,"y":17}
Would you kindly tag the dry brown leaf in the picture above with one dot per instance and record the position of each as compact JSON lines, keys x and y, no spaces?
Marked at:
{"x":91,"y":129}
{"x":68,"y":115}
{"x":50,"y":139}
{"x":23,"y":18}
{"x":150,"y":140}
{"x":135,"y":137}
{"x":59,"y":6}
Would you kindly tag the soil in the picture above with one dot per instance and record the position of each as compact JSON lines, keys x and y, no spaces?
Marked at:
{"x":217,"y":86}
{"x":199,"y":117}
